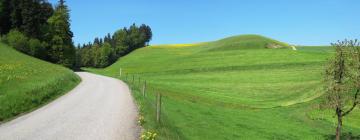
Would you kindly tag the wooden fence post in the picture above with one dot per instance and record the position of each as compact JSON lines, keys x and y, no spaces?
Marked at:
{"x":133,"y":79}
{"x":158,"y":107}
{"x":120,"y":72}
{"x":144,"y":88}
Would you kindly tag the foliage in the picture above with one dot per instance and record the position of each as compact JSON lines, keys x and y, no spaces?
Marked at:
{"x":17,"y":40}
{"x":30,"y":46}
{"x":104,"y":52}
{"x":62,"y":50}
{"x":38,"y":20}
{"x":342,"y":80}
{"x":42,"y":31}
{"x":28,"y":16}
{"x":5,"y":11}
{"x":37,"y":48}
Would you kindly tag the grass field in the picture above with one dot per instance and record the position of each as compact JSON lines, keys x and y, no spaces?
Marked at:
{"x":27,"y":83}
{"x":236,"y":88}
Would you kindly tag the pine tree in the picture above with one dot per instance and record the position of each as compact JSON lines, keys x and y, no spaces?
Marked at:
{"x":97,"y":41}
{"x":63,"y":51}
{"x":5,"y":12}
{"x":30,"y":18}
{"x":146,"y":30}
{"x":15,"y":15}
{"x":27,"y":16}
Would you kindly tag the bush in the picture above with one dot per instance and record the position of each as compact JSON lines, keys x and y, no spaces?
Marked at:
{"x":17,"y":40}
{"x":37,"y":48}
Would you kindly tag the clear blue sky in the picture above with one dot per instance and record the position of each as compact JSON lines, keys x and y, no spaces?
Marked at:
{"x":305,"y":22}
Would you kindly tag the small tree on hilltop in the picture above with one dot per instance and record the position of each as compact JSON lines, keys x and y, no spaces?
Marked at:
{"x":342,"y":78}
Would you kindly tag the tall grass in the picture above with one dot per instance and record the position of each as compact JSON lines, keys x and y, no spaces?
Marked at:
{"x":27,"y":83}
{"x":147,"y":109}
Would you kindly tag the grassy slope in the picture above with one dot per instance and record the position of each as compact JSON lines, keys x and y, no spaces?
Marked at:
{"x":219,"y":90}
{"x":27,"y":83}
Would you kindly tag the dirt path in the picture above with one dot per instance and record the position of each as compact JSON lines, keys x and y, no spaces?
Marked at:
{"x":99,"y":108}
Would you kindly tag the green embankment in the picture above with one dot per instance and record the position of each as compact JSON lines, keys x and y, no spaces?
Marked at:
{"x":234,"y":88}
{"x":27,"y":83}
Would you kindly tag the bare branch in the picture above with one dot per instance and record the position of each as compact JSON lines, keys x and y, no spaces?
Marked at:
{"x":356,"y":102}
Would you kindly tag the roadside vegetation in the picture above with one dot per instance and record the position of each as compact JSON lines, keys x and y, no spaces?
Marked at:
{"x":27,"y":83}
{"x":242,"y":87}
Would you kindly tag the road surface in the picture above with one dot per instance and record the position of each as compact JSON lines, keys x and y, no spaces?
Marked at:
{"x":99,"y":108}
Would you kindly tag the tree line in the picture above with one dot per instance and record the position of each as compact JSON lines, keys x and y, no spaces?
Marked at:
{"x":36,"y":28}
{"x":105,"y":51}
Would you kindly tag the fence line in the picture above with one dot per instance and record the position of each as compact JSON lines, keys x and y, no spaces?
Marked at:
{"x":143,"y":87}
{"x":154,"y":99}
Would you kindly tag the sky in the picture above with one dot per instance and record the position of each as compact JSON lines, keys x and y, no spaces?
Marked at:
{"x":298,"y":22}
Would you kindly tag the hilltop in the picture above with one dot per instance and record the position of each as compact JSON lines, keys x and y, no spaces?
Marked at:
{"x":246,"y":42}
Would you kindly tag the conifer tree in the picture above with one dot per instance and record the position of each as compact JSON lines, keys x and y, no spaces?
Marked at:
{"x":63,"y":51}
{"x":5,"y":11}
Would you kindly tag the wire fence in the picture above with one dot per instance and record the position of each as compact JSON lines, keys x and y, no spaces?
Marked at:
{"x":152,"y":102}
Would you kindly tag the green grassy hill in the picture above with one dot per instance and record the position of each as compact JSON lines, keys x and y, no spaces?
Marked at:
{"x":27,"y":82}
{"x":245,"y":42}
{"x":235,"y":88}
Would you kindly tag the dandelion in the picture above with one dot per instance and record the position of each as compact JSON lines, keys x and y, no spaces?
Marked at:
{"x":141,"y":120}
{"x":148,"y":135}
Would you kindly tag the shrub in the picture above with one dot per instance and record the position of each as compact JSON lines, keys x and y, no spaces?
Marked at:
{"x":17,"y":40}
{"x":37,"y":48}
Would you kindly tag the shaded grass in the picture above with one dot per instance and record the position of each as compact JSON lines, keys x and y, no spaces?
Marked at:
{"x":27,"y":83}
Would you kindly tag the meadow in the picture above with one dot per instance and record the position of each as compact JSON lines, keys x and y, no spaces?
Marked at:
{"x":27,"y":83}
{"x":242,"y":87}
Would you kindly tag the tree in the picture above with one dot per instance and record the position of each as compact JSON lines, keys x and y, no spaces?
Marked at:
{"x":105,"y":55}
{"x":86,"y":57}
{"x":342,"y":78}
{"x":34,"y":15}
{"x":5,"y":11}
{"x":97,"y":41}
{"x":46,"y":11}
{"x":36,"y":48}
{"x":16,"y":13}
{"x":121,"y":45}
{"x":105,"y":51}
{"x":30,"y":20}
{"x":63,"y":51}
{"x":146,"y":30}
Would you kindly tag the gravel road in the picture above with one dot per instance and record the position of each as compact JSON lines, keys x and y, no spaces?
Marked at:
{"x":99,"y":108}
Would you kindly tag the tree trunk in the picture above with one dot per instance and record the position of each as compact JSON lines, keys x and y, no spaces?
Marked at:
{"x":339,"y":125}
